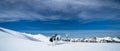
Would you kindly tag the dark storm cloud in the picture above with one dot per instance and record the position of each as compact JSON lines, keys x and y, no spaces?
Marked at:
{"x":46,"y":10}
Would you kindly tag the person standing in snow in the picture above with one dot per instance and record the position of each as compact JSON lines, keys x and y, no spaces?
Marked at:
{"x":56,"y":37}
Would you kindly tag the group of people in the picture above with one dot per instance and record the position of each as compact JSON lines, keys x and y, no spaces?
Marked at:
{"x":54,"y":38}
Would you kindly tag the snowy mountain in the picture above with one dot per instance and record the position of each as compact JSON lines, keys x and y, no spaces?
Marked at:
{"x":11,"y":33}
{"x":15,"y":41}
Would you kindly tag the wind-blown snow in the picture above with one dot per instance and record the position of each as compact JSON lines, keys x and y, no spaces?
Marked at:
{"x":39,"y":37}
{"x":16,"y":41}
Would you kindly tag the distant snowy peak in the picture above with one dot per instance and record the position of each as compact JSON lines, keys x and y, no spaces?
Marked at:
{"x":116,"y":39}
{"x":38,"y":37}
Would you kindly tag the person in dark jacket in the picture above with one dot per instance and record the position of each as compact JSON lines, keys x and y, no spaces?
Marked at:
{"x":56,"y":37}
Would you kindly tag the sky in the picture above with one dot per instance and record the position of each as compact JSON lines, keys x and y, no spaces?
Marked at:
{"x":60,"y":14}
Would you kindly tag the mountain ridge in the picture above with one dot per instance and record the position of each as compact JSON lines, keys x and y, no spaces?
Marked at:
{"x":21,"y":35}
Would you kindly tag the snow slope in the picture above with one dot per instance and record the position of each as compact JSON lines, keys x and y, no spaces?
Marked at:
{"x":16,"y":41}
{"x":11,"y":33}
